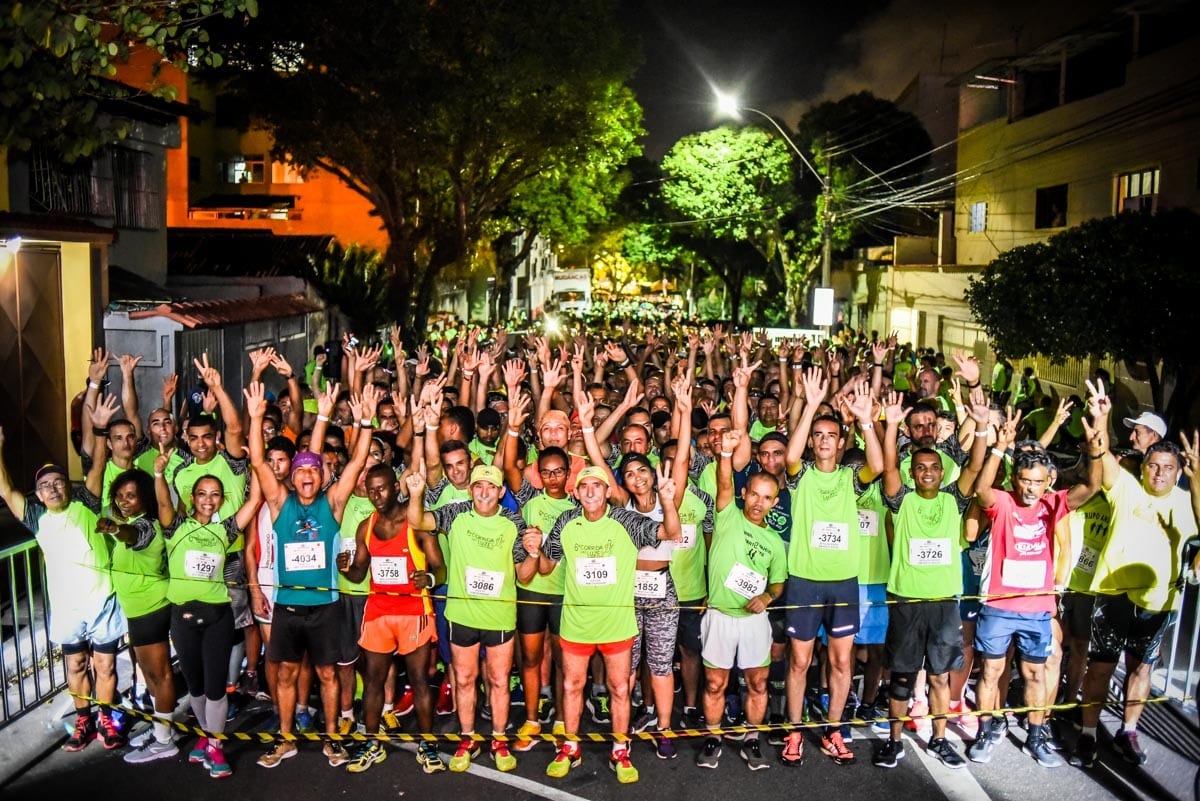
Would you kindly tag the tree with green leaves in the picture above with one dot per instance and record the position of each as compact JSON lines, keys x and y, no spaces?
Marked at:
{"x":353,"y":279}
{"x":730,"y":193}
{"x":59,"y":61}
{"x":1125,"y":286}
{"x":438,"y":114}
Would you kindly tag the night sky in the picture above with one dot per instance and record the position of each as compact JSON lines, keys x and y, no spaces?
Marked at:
{"x":785,"y":56}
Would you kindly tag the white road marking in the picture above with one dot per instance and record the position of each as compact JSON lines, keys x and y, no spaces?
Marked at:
{"x":518,"y":782}
{"x":956,"y":785}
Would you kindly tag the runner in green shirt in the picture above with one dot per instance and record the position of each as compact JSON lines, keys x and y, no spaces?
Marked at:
{"x":484,"y":542}
{"x":747,"y":568}
{"x":598,"y":548}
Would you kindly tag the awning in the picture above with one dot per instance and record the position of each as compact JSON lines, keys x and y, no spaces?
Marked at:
{"x":217,"y":313}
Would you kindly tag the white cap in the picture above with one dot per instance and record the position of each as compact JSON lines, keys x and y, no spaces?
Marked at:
{"x":1150,"y":420}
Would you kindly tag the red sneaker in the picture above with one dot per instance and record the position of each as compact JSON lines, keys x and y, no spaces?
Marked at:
{"x":85,"y":732}
{"x":404,"y":705}
{"x":110,"y":733}
{"x":445,"y":705}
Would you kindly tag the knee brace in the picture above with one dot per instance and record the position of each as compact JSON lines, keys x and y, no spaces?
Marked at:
{"x":902,"y":686}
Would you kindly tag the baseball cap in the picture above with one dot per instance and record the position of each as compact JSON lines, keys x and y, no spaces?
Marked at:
{"x":598,"y":473}
{"x":48,"y":469}
{"x":1150,"y":420}
{"x":307,"y":459}
{"x":489,"y":473}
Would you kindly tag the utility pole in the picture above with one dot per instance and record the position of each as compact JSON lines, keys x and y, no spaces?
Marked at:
{"x":827,"y":229}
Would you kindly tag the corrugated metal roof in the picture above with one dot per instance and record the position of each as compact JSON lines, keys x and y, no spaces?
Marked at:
{"x":215,"y":313}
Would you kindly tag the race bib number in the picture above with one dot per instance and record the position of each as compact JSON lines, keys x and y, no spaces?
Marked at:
{"x":484,"y":583}
{"x":303,"y":556}
{"x":347,"y":545}
{"x":1087,"y":560}
{"x":688,"y":539}
{"x":1027,"y":575}
{"x":650,"y":584}
{"x":745,"y":582}
{"x":200,"y":564}
{"x":868,"y":522}
{"x":977,"y":558}
{"x":596,"y":571}
{"x":928,"y":552}
{"x":831,"y":536}
{"x":389,"y":570}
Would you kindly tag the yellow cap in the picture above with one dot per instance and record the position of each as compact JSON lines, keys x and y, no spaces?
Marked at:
{"x":598,"y":473}
{"x":489,"y":473}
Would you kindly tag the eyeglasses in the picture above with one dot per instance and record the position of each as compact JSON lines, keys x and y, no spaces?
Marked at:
{"x":558,"y":471}
{"x":57,"y":483}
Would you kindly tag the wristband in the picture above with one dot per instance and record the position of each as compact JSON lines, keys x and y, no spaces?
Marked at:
{"x":354,"y":424}
{"x":99,"y":432}
{"x":588,"y":429}
{"x":512,"y":432}
{"x":418,"y":433}
{"x":92,"y":384}
{"x":324,"y":418}
{"x":726,"y":454}
{"x":468,"y":373}
{"x":998,"y":452}
{"x":983,"y":433}
{"x":624,"y":364}
{"x":865,"y":426}
{"x":366,"y":423}
{"x":430,"y":428}
{"x":1097,"y":455}
{"x":157,"y":474}
{"x":318,"y":367}
{"x":430,"y":578}
{"x":797,"y":365}
{"x":972,"y":386}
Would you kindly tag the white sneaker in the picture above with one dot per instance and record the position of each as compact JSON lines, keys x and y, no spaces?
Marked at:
{"x":150,"y":751}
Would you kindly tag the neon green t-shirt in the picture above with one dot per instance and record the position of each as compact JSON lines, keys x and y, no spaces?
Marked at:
{"x":358,"y":508}
{"x":481,"y":581}
{"x":196,"y":560}
{"x":1090,"y":525}
{"x":875,"y":561}
{"x":742,"y":561}
{"x":927,"y":546}
{"x":139,"y":571}
{"x":824,"y":516}
{"x":232,"y":475}
{"x":542,"y":512}
{"x":691,"y":554}
{"x":598,"y":560}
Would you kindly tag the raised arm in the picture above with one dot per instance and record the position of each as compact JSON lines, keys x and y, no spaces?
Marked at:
{"x":740,"y":413}
{"x":894,"y":413}
{"x":363,"y":408}
{"x":1100,"y":404}
{"x":295,"y":416}
{"x":1061,"y":415}
{"x":815,"y":386}
{"x":97,"y":370}
{"x":129,"y":397}
{"x":431,"y":403}
{"x":985,"y":495}
{"x":862,"y":407}
{"x":100,"y":416}
{"x":325,"y":404}
{"x":729,"y":444}
{"x":235,"y":441}
{"x":1097,"y":449}
{"x":518,"y":413}
{"x":418,"y":518}
{"x":978,"y":412}
{"x":587,"y":409}
{"x":274,"y":493}
{"x":683,"y":437}
{"x":604,"y":432}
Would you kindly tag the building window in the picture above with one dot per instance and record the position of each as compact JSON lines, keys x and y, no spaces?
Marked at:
{"x":283,"y":172}
{"x":137,"y":196}
{"x":1138,"y":191}
{"x":244,"y":170}
{"x":1051,"y":207}
{"x":977,"y":221}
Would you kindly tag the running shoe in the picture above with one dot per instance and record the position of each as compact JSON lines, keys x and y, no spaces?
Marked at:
{"x":710,"y":754}
{"x":404,"y":704}
{"x":336,"y":754}
{"x":84,"y":733}
{"x":751,"y":754}
{"x":597,"y":706}
{"x":984,"y":747}
{"x":429,"y":758}
{"x":833,"y":746}
{"x":1084,"y":755}
{"x":199,"y":752}
{"x":546,"y":710}
{"x":389,"y":722}
{"x":151,"y":750}
{"x":569,"y":755}
{"x":467,"y":750}
{"x":526,"y":742}
{"x":366,"y":755}
{"x":916,"y":713}
{"x":792,"y":755}
{"x":690,"y":718}
{"x":218,"y":766}
{"x":345,"y":726}
{"x":643,"y":719}
{"x":505,"y":762}
{"x":888,"y":754}
{"x":620,"y":764}
{"x":1038,"y":746}
{"x":445,"y":704}
{"x":1127,"y":745}
{"x":944,"y":751}
{"x":304,"y":723}
{"x":110,"y":732}
{"x":664,"y":746}
{"x":282,"y":751}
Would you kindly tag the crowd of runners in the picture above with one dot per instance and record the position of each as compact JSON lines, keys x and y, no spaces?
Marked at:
{"x":633,"y":532}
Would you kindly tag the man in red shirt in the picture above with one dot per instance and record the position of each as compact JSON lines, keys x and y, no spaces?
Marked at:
{"x":1024,"y":566}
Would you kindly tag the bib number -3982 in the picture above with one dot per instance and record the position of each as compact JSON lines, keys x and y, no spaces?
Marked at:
{"x":745,"y":582}
{"x":598,"y":571}
{"x":831,"y":536}
{"x":484,"y":583}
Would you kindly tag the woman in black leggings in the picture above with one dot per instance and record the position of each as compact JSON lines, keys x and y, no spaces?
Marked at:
{"x":201,"y":617}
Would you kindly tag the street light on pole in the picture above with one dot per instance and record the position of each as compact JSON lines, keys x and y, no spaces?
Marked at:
{"x":728,"y":106}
